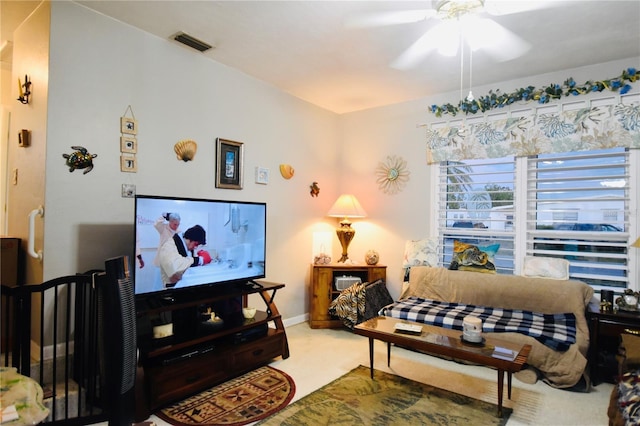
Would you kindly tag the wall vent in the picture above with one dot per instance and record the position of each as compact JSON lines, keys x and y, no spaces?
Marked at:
{"x":192,"y":42}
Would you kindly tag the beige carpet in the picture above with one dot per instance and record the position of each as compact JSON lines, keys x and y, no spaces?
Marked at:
{"x":243,"y":400}
{"x":319,"y":356}
{"x":356,"y":399}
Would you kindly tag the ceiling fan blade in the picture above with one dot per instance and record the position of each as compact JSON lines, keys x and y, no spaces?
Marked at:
{"x":427,"y":43}
{"x":381,"y":19}
{"x":502,"y":44}
{"x":479,"y":33}
{"x":509,"y":7}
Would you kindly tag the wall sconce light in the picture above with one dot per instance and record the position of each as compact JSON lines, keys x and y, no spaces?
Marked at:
{"x":26,"y":92}
{"x":346,"y":206}
{"x":24,"y":138}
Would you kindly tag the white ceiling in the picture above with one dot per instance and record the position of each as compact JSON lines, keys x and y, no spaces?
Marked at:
{"x":305,"y":48}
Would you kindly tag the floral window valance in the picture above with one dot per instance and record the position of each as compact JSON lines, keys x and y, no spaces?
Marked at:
{"x":590,"y":128}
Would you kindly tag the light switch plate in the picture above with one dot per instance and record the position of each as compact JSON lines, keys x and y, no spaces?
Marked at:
{"x":128,"y":190}
{"x":262,"y":175}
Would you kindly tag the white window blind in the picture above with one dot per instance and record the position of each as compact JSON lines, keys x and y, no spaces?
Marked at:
{"x":576,"y":206}
{"x":578,"y":209}
{"x":476,"y":205}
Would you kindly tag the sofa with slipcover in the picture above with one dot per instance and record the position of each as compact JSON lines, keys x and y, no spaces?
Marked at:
{"x":558,"y":356}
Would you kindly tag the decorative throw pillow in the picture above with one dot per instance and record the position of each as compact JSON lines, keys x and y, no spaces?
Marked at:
{"x":628,"y":389}
{"x":421,"y":253}
{"x":468,"y":257}
{"x":350,"y":304}
{"x":376,"y":297}
{"x":546,"y":267}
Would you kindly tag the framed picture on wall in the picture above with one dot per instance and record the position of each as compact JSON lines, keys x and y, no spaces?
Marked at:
{"x":128,"y":163}
{"x":128,"y":126}
{"x":128,"y":144}
{"x":229,"y":164}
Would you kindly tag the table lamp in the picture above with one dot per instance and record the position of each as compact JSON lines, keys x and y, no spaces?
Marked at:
{"x":636,"y":244}
{"x":345,"y":207}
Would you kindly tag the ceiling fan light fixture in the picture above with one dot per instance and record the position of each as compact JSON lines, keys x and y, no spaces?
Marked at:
{"x":463,"y":23}
{"x":453,"y":9}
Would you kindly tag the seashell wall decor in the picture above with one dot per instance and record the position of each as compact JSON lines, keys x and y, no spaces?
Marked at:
{"x":286,"y":171}
{"x":185,"y":149}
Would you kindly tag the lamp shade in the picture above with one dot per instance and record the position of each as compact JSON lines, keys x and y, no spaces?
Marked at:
{"x":346,"y":206}
{"x":636,"y":244}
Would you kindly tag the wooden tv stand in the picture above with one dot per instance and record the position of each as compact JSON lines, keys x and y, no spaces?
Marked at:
{"x":199,"y":356}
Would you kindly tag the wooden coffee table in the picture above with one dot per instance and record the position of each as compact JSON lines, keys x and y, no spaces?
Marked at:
{"x":503,"y":356}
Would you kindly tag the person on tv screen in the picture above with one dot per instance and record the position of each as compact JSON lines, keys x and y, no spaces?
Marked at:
{"x":167,"y":225}
{"x":177,"y":255}
{"x":139,"y":253}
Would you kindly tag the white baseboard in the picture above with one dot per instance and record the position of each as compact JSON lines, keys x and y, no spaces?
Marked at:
{"x":295,"y":320}
{"x":48,"y":350}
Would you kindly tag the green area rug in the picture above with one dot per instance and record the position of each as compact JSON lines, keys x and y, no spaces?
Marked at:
{"x":355,"y":399}
{"x":239,"y":401}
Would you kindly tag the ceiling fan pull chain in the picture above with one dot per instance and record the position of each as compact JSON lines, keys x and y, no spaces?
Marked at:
{"x":461,"y":65}
{"x":470,"y":68}
{"x":470,"y":95}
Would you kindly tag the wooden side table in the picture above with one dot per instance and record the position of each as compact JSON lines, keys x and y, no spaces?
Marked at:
{"x":605,"y":329}
{"x":323,"y":289}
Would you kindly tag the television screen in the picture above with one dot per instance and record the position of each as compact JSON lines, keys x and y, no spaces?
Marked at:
{"x":185,"y":242}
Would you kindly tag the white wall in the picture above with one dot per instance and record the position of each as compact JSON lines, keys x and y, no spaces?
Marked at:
{"x":369,"y":137}
{"x":26,"y":164}
{"x":99,"y":67}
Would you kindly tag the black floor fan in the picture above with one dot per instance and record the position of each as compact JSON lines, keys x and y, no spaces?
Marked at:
{"x":117,"y":343}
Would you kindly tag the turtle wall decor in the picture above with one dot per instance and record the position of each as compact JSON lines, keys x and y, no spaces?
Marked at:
{"x":80,"y":159}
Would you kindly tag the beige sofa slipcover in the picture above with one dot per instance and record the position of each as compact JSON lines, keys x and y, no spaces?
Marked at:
{"x":548,"y":296}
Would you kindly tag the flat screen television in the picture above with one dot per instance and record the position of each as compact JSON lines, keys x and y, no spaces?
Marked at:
{"x":233,"y":250}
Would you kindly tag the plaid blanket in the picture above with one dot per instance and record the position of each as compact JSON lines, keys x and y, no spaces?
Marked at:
{"x":557,"y":331}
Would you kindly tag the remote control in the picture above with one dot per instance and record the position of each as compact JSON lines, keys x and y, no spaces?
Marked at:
{"x":408,"y":328}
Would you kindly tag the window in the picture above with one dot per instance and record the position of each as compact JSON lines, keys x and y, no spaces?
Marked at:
{"x":574,"y":206}
{"x":578,"y":209}
{"x":476,"y":206}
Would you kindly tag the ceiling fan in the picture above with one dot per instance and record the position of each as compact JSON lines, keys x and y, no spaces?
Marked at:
{"x":457,"y":22}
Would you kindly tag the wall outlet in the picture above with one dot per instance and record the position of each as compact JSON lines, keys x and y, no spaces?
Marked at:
{"x":128,"y":190}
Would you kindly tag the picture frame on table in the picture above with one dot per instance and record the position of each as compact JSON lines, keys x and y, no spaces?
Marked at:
{"x":229,"y":164}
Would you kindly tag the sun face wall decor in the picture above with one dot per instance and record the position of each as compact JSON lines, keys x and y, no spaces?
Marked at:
{"x":392,"y":174}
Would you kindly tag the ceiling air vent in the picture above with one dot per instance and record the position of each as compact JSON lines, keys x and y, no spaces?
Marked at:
{"x":194,"y":43}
